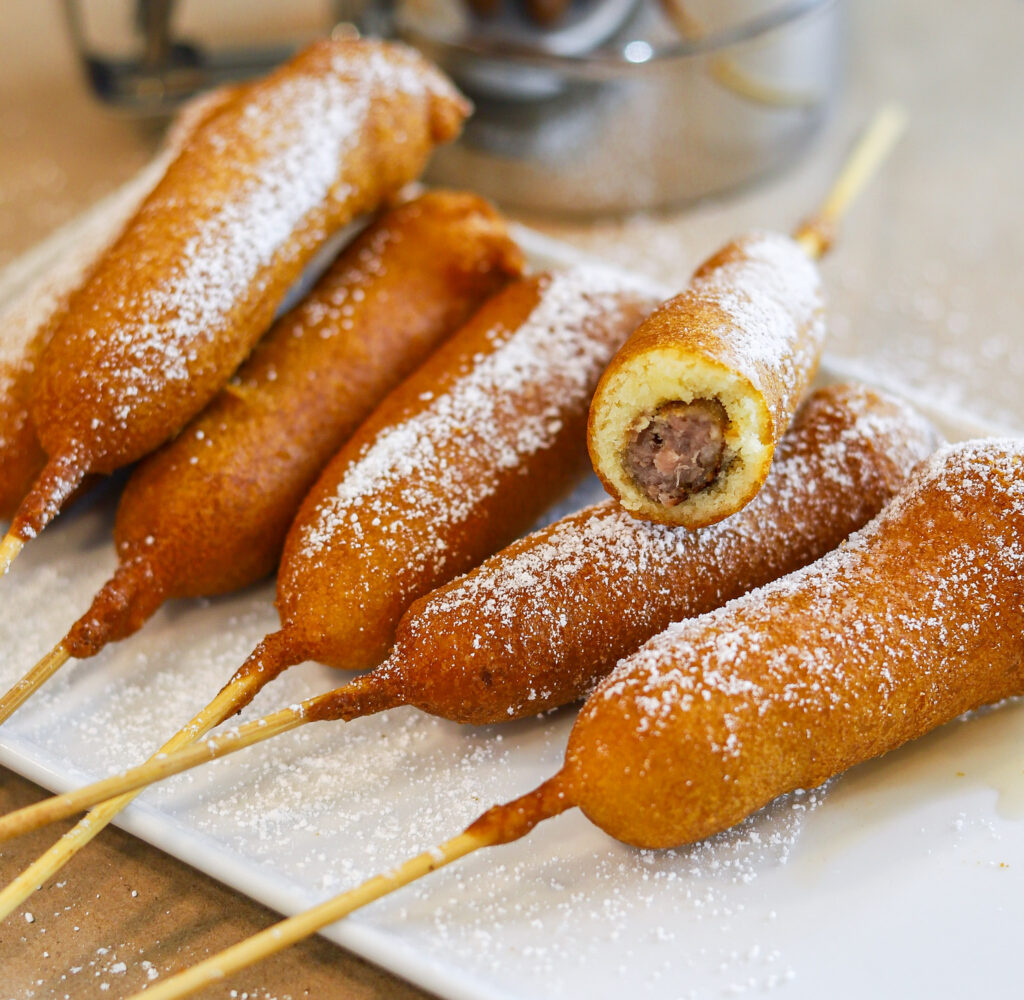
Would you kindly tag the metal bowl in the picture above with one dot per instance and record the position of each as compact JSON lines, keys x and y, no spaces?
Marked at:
{"x":620,"y":108}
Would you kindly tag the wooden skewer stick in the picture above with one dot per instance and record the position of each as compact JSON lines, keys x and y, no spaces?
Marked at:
{"x":817,"y":233}
{"x":500,"y":825}
{"x":33,"y":681}
{"x":232,"y":697}
{"x":288,"y":932}
{"x":9,"y":549}
{"x":363,"y":696}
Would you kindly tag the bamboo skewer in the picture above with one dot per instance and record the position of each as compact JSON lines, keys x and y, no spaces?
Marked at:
{"x":288,"y":932}
{"x":499,"y":825}
{"x":232,"y":696}
{"x":33,"y":681}
{"x":9,"y":549}
{"x":816,"y":234}
{"x":361,"y":697}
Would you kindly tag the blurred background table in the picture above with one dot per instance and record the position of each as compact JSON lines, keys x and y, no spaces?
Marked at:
{"x":926,"y":296}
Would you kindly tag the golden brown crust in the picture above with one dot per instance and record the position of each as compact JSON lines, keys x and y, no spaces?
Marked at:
{"x":916,"y":620}
{"x":456,"y":462}
{"x":28,"y":323}
{"x":23,"y":455}
{"x":195,"y":278}
{"x":537,"y":625}
{"x":747,"y":333}
{"x":208,"y":513}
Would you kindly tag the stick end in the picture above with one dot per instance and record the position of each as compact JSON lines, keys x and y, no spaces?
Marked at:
{"x":9,"y":549}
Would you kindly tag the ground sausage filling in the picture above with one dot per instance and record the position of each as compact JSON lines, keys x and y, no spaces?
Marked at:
{"x":678,"y":451}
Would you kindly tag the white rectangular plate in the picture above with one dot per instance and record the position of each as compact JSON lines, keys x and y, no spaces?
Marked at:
{"x":901,"y":878}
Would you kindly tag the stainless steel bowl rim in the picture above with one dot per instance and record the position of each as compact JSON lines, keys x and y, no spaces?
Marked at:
{"x":609,"y":62}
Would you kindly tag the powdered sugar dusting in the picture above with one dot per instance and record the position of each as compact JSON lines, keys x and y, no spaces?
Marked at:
{"x":314,"y":811}
{"x":300,"y":130}
{"x":573,"y":589}
{"x":509,"y":404}
{"x":24,"y":318}
{"x":772,"y":296}
{"x":908,"y":604}
{"x":256,"y":190}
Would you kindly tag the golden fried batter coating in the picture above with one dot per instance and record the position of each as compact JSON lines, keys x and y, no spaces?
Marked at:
{"x":686,"y":419}
{"x":917,"y":619}
{"x":537,"y":625}
{"x":208,"y":513}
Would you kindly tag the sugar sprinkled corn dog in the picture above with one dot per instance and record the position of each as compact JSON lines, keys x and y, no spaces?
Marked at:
{"x":29,"y":319}
{"x":839,"y":662}
{"x":687,"y":417}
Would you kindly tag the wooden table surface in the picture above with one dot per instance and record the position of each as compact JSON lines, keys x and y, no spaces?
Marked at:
{"x":928,"y":268}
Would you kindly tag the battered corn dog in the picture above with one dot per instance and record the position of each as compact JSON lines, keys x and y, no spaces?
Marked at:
{"x":537,"y":625}
{"x":458,"y":460}
{"x":195,"y":278}
{"x":208,"y":513}
{"x":28,"y":322}
{"x":685,"y":421}
{"x":839,"y":662}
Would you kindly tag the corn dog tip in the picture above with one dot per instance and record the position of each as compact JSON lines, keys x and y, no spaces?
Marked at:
{"x":685,"y":421}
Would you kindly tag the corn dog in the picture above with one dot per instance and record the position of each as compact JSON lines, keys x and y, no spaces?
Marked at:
{"x":537,"y":625}
{"x":459,"y":459}
{"x":839,"y":662}
{"x":208,"y":513}
{"x":453,"y":465}
{"x":29,"y":321}
{"x":195,"y":278}
{"x":685,"y":421}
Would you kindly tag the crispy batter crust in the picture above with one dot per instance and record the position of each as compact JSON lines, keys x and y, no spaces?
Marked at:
{"x":208,"y":513}
{"x":29,"y":322}
{"x":747,"y":333}
{"x":917,"y":619}
{"x":454,"y":464}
